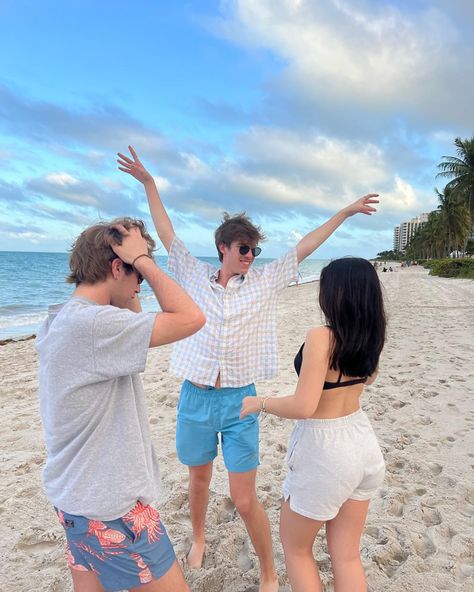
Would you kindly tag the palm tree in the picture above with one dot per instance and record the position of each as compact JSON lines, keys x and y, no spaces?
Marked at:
{"x":454,"y":218}
{"x":461,"y":170}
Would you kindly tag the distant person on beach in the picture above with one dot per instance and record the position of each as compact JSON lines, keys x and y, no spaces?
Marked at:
{"x":334,"y":460}
{"x":101,"y":472}
{"x":221,"y":363}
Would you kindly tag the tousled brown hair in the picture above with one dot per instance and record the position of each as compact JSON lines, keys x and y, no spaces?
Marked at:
{"x":237,"y":227}
{"x":91,"y":252}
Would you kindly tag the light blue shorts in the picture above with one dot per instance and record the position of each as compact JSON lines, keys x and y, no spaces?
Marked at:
{"x":203,"y":413}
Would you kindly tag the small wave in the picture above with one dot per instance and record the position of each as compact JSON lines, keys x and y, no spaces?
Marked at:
{"x":11,"y":322}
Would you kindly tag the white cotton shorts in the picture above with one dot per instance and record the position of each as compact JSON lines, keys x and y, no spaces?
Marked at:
{"x":331,"y":461}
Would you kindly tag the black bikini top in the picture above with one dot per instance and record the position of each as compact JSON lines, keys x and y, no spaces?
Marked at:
{"x":327,"y":385}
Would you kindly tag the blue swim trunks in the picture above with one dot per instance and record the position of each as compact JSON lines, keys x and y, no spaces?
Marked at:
{"x":122,"y":553}
{"x":203,"y":413}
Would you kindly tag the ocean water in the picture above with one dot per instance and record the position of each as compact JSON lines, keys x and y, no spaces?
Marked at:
{"x":30,"y":282}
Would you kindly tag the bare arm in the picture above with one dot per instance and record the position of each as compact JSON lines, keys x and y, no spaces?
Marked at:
{"x":161,"y":220}
{"x":304,"y":402}
{"x":181,"y":316}
{"x":309,"y":243}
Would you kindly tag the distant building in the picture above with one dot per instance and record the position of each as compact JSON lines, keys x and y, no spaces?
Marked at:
{"x":404,"y":232}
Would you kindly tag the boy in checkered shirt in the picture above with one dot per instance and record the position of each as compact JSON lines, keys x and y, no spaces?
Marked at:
{"x":221,"y":363}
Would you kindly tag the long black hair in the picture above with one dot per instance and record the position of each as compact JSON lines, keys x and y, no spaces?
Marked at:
{"x":350,"y":296}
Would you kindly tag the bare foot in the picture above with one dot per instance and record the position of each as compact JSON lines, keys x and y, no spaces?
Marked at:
{"x":269,"y":585}
{"x":196,"y":554}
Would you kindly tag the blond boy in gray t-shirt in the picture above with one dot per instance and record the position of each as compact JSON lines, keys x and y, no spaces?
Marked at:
{"x":101,"y":472}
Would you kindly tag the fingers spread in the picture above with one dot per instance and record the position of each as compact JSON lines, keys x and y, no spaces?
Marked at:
{"x":125,"y":158}
{"x":134,"y":154}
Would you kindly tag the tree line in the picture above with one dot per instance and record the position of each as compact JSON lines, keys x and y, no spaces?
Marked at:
{"x":450,"y":226}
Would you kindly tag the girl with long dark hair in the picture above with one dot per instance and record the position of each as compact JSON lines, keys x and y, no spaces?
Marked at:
{"x":334,"y":461}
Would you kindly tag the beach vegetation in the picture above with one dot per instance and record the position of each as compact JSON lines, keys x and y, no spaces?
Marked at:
{"x":448,"y":231}
{"x":390,"y":256}
{"x":460,"y":169}
{"x":451,"y":268}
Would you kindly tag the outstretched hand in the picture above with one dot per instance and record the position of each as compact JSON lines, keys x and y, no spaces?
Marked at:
{"x":250,"y":405}
{"x":363,"y":205}
{"x":133,"y":167}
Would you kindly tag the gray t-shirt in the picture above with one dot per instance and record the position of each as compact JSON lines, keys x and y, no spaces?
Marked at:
{"x":100,"y":456}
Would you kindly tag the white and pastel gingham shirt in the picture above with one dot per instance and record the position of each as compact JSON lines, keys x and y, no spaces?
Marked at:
{"x":239,"y":337}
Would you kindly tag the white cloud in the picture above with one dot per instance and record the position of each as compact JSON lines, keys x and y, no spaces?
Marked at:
{"x":61,"y":179}
{"x":162,"y":183}
{"x":295,"y":236}
{"x":365,"y":53}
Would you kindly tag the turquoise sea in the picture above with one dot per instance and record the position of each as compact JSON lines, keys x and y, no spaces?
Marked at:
{"x":30,"y":282}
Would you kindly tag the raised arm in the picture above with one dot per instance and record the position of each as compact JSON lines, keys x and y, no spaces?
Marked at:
{"x":304,"y":402}
{"x":309,"y":243}
{"x":181,"y":316}
{"x":161,"y":220}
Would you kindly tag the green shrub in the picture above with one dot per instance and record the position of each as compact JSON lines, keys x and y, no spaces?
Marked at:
{"x":459,"y":268}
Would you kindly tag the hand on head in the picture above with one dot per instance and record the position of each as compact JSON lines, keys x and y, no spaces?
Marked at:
{"x":132,"y":244}
{"x":133,"y":167}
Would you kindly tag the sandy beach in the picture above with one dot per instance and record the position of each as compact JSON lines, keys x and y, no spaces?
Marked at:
{"x":419,"y":534}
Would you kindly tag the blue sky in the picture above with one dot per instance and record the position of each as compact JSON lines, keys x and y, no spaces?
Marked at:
{"x":287,"y":109}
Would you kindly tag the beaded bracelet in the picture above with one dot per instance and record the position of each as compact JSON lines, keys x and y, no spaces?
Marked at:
{"x":262,"y":409}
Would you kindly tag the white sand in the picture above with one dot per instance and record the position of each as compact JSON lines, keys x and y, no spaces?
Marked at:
{"x":419,"y":535}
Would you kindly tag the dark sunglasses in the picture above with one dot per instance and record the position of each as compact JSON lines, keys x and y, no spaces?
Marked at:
{"x":244,"y":249}
{"x":140,"y":278}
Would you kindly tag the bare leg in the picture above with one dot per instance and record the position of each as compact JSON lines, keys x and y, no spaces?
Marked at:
{"x":199,"y":481}
{"x":343,"y":535}
{"x":242,"y":492}
{"x":172,"y":581}
{"x":85,"y":581}
{"x":297,"y":535}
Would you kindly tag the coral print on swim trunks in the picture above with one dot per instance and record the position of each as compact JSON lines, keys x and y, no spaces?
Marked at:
{"x":141,"y":517}
{"x":91,"y":544}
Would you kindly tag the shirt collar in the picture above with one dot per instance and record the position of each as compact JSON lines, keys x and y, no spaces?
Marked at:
{"x":236,"y":280}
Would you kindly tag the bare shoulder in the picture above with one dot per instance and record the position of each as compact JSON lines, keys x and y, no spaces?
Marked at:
{"x":318,"y":339}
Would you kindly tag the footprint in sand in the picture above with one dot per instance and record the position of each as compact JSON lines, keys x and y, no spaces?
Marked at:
{"x":422,"y":544}
{"x":429,"y":394}
{"x":466,"y":504}
{"x":462,"y":550}
{"x":442,"y":535}
{"x":387,"y":551}
{"x":22,"y":469}
{"x":402,"y":441}
{"x":394,"y":504}
{"x":435,"y":468}
{"x":243,"y":560}
{"x":395,"y":466}
{"x":428,"y":512}
{"x":424,"y":420}
{"x":399,"y":404}
{"x":37,"y":541}
{"x":224,"y":510}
